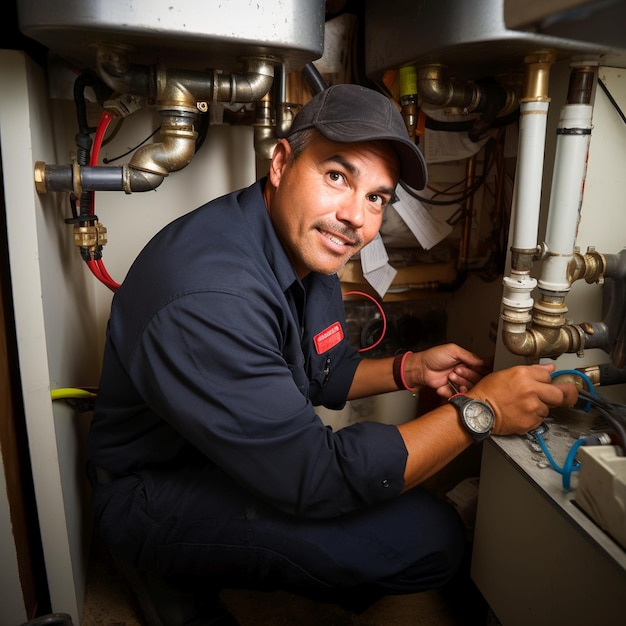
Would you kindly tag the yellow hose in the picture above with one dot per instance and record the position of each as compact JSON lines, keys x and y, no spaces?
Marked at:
{"x":70,"y":392}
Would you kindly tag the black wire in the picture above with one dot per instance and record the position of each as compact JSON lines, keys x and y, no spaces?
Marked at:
{"x":73,"y":205}
{"x":466,"y":126}
{"x":470,"y":191}
{"x":202,"y":127}
{"x":121,"y":156}
{"x":612,"y":100}
{"x":613,"y":412}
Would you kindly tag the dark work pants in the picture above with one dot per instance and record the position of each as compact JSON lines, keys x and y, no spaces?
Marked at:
{"x":197,"y":522}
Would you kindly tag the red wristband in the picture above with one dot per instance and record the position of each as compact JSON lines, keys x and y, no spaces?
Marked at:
{"x":398,"y":371}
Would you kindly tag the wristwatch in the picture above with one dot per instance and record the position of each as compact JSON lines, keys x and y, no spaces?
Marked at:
{"x":477,"y":416}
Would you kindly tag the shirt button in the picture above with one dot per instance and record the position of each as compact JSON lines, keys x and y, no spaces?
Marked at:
{"x":385,"y":483}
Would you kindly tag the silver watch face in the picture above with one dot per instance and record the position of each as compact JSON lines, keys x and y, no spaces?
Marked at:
{"x":478,"y":417}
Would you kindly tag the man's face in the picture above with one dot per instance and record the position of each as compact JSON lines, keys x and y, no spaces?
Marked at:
{"x":329,"y":202}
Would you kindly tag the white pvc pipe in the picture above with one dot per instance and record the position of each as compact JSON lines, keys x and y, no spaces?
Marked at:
{"x":529,"y":174}
{"x":570,"y":168}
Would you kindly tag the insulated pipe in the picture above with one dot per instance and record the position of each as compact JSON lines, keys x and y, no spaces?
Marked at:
{"x":528,"y":176}
{"x":534,"y":106}
{"x":550,"y":335}
{"x":568,"y":179}
{"x":518,"y":286}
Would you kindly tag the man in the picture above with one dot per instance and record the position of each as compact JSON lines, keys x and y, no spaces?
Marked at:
{"x":208,"y":458}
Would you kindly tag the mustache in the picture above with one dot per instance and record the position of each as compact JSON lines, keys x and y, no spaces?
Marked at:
{"x":340,"y":229}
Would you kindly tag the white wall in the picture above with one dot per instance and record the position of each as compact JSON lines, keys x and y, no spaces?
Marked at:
{"x":225,"y":162}
{"x":61,"y":310}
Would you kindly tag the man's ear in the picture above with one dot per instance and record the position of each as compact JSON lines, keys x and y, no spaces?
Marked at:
{"x":279,"y":161}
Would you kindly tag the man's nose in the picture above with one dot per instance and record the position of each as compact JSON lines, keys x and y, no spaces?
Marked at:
{"x":351,"y":211}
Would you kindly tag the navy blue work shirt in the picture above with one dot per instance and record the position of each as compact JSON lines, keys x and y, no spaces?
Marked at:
{"x":217,"y":353}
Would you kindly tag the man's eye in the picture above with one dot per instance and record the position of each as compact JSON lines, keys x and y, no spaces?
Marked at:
{"x":335,"y":176}
{"x":376,"y":199}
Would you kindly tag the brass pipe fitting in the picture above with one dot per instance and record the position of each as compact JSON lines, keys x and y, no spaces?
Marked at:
{"x":179,"y":95}
{"x":176,"y":148}
{"x":545,"y":341}
{"x":90,"y":237}
{"x":549,"y":312}
{"x":590,"y":267}
{"x":537,"y":77}
{"x":549,"y":335}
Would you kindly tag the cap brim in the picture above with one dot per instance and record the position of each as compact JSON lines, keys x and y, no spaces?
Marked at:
{"x":413,"y":171}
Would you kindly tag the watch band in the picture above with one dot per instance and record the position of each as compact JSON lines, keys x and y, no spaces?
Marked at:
{"x":461,"y":402}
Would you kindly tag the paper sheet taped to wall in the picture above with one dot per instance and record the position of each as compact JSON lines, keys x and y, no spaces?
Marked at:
{"x":375,"y":265}
{"x":427,"y":225}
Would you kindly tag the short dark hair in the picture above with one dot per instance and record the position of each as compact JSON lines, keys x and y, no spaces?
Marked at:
{"x":300,"y":140}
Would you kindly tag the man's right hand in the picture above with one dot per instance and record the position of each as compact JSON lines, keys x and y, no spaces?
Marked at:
{"x":522,"y":397}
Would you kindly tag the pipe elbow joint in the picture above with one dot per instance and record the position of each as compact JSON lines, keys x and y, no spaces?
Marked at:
{"x":171,"y":154}
{"x":251,"y":86}
{"x":176,"y":148}
{"x":519,"y":343}
{"x":136,"y":180}
{"x":265,"y":141}
{"x":544,"y":342}
{"x":436,"y":90}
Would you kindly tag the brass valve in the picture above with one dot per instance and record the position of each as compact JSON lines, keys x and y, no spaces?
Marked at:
{"x":90,"y":237}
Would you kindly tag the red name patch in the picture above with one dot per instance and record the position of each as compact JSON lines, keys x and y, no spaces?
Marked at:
{"x":328,"y":338}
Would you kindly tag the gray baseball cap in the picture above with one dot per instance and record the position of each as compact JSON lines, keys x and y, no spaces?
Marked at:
{"x":350,"y":113}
